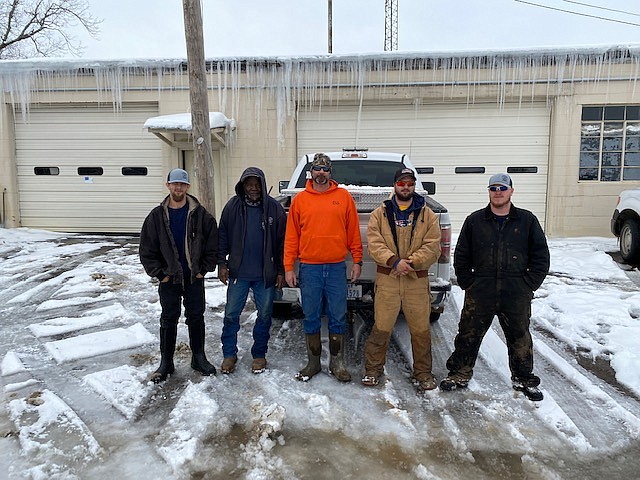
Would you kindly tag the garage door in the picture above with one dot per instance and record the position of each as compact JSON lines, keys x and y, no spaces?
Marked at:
{"x":458,"y":147}
{"x":87,"y":168}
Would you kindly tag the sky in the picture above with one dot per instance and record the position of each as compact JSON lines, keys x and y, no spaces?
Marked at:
{"x":78,"y":327}
{"x":154,"y":28}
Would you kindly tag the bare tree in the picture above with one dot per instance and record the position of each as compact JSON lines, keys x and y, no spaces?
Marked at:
{"x":40,"y":28}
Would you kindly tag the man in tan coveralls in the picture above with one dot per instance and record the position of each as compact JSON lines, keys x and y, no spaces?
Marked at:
{"x":404,"y":240}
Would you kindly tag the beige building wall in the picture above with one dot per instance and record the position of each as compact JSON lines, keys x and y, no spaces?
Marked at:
{"x":8,"y":172}
{"x":266,"y":131}
{"x":581,"y":208}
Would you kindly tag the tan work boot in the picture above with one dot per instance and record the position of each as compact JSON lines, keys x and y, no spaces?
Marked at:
{"x":424,"y":383}
{"x":259,"y":365}
{"x":228,"y":365}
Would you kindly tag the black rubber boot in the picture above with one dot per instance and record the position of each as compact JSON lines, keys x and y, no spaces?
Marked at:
{"x":314,"y":350}
{"x":199,"y":360}
{"x":336,"y":362}
{"x":167,"y":347}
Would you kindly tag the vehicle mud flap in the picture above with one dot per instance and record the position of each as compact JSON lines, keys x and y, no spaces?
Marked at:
{"x":359,"y":324}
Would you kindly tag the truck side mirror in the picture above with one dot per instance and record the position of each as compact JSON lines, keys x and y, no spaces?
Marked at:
{"x":430,"y":187}
{"x":282,"y":184}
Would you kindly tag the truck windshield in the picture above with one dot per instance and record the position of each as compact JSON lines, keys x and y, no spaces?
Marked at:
{"x":359,"y":172}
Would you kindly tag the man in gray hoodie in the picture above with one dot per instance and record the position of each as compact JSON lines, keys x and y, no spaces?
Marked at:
{"x":250,"y":249}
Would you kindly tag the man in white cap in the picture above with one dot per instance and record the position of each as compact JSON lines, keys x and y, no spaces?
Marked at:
{"x":500,"y":259}
{"x":178,"y":246}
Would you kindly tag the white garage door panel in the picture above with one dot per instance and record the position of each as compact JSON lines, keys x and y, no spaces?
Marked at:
{"x":92,"y":136}
{"x":445,"y":137}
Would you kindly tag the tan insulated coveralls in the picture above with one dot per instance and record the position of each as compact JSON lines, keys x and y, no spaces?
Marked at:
{"x":409,"y":292}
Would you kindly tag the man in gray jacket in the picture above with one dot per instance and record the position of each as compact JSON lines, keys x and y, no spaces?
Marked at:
{"x":500,"y":259}
{"x":178,"y":244}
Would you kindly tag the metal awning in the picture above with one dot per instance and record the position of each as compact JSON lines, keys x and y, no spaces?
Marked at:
{"x":175,"y":130}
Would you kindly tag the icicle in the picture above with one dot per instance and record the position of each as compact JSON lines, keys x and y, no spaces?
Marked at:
{"x":290,"y":83}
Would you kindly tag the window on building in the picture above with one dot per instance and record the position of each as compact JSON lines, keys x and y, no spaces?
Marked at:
{"x":610,"y":144}
{"x":90,"y":171}
{"x":134,"y":170}
{"x":46,"y":170}
{"x":469,"y":169}
{"x":522,"y":169}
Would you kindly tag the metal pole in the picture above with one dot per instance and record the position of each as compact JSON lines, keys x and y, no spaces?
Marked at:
{"x":4,"y":193}
{"x":330,"y":17}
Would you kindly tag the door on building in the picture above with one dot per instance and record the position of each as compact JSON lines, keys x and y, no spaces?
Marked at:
{"x":456,"y":146}
{"x":87,"y":168}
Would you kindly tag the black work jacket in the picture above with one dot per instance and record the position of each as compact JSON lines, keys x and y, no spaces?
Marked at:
{"x":158,"y":252}
{"x":233,"y":225}
{"x":500,"y":264}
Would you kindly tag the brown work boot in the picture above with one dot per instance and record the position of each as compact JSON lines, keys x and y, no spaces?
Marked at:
{"x":424,"y":384}
{"x":314,"y":350}
{"x":228,"y":365}
{"x":259,"y":365}
{"x":370,"y":380}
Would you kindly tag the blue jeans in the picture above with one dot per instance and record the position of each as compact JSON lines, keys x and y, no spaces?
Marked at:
{"x":324,"y":284}
{"x":237,"y":293}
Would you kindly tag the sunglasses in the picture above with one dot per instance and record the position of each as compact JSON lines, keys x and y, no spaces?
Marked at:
{"x":317,"y":168}
{"x":500,"y":188}
{"x":408,"y":183}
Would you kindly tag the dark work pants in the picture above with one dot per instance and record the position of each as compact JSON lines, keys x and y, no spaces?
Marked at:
{"x":475,"y":321}
{"x":192,"y":295}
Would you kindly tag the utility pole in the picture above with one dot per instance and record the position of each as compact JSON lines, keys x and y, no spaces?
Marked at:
{"x":200,"y":126}
{"x":330,"y":25}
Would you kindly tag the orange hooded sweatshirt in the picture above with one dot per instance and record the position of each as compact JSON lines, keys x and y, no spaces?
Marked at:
{"x":322,"y":227}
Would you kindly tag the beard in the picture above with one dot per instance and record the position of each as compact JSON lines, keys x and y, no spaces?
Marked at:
{"x":500,"y":202}
{"x":320,"y":179}
{"x":177,"y":197}
{"x":404,"y":197}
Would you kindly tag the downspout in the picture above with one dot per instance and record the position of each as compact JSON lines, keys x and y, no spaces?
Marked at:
{"x":4,"y":193}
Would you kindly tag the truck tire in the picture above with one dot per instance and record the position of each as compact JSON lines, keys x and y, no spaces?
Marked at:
{"x":630,"y":241}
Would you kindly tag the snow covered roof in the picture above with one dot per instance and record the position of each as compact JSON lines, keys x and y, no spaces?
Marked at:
{"x":182,"y":121}
{"x":294,"y":80}
{"x":64,"y":64}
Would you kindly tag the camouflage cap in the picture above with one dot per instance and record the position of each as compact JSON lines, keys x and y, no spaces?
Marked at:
{"x":321,"y":160}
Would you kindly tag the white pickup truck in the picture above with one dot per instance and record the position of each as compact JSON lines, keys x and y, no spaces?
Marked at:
{"x":625,"y":224}
{"x":368,"y":176}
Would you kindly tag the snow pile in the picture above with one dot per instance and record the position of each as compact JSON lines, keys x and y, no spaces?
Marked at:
{"x":11,"y":364}
{"x":589,"y":303}
{"x":124,"y":387}
{"x":194,"y":418}
{"x":52,"y":434}
{"x":98,"y":343}
{"x":264,"y":434}
{"x":88,"y":319}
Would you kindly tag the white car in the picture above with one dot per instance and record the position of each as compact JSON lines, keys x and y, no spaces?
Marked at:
{"x":625,"y":224}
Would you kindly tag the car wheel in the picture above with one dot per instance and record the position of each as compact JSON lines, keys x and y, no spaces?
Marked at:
{"x":630,"y":241}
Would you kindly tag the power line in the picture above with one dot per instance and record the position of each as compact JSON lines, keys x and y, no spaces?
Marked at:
{"x":602,"y":8}
{"x":577,"y":13}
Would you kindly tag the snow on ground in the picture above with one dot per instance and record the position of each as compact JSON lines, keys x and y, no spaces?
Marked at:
{"x":80,"y":336}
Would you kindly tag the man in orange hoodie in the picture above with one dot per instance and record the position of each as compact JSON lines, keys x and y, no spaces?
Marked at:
{"x":322,"y":227}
